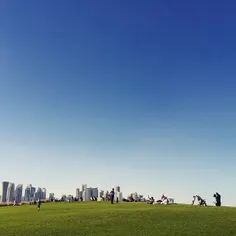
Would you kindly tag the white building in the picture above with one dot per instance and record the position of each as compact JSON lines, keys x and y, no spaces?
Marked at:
{"x":84,"y":186}
{"x":135,"y":196}
{"x":117,"y":189}
{"x":100,"y":195}
{"x":84,"y":195}
{"x":44,"y":193}
{"x":118,"y":194}
{"x":88,"y":194}
{"x":10,"y":192}
{"x":94,"y":192}
{"x":77,"y":193}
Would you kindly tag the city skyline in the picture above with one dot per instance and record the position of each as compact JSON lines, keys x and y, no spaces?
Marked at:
{"x":11,"y":193}
{"x":128,"y":93}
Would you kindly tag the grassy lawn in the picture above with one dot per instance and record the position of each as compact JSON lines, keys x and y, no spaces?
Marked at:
{"x":123,"y":219}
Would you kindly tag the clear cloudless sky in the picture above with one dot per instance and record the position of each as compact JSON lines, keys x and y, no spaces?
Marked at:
{"x":140,"y":94}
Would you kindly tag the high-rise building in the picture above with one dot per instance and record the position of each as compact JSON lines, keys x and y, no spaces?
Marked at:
{"x":4,"y":191}
{"x":101,"y":193}
{"x":80,"y":194}
{"x":32,"y":193}
{"x":29,"y":193}
{"x":117,"y":189}
{"x":39,"y":194}
{"x":10,"y":192}
{"x":77,"y":193}
{"x":44,"y":192}
{"x":18,"y":193}
{"x":51,"y":197}
{"x":94,"y":192}
{"x":135,"y":196}
{"x":118,"y":194}
{"x":63,"y":197}
{"x":88,"y":194}
{"x":84,"y":186}
{"x":84,"y":195}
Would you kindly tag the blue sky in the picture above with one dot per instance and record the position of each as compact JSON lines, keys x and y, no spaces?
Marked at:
{"x":134,"y":93}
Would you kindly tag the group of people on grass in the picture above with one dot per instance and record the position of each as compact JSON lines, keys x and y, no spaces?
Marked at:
{"x":202,"y":202}
{"x":163,"y":200}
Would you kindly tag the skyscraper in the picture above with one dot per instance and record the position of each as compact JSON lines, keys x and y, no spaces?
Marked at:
{"x":84,"y":195}
{"x":101,"y":194}
{"x":44,"y":193}
{"x":117,"y":189}
{"x":4,"y":191}
{"x":18,"y":193}
{"x":88,"y":194}
{"x":10,"y":192}
{"x":51,"y":197}
{"x":39,"y":194}
{"x":84,"y":186}
{"x":118,"y":194}
{"x":80,"y":194}
{"x":94,"y":192}
{"x":29,"y":193}
{"x":32,"y":193}
{"x":77,"y":193}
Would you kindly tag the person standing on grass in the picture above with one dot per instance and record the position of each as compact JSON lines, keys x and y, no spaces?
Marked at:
{"x":218,"y":199}
{"x":39,"y":205}
{"x":112,"y":194}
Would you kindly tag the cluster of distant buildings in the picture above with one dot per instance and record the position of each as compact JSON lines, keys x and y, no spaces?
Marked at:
{"x":10,"y":193}
{"x":136,"y":196}
{"x":89,"y":193}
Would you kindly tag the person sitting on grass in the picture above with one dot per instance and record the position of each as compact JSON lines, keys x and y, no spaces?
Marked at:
{"x":201,"y":202}
{"x":164,"y":199}
{"x":151,"y":200}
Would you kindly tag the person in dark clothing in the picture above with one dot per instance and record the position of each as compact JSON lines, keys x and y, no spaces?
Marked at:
{"x":218,"y":199}
{"x":112,"y":194}
{"x":117,"y":200}
{"x":39,"y":205}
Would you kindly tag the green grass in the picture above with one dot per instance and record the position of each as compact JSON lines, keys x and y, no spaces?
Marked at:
{"x":129,"y":219}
